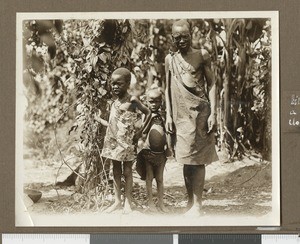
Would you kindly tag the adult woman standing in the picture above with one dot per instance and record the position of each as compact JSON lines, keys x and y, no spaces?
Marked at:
{"x":191,"y":110}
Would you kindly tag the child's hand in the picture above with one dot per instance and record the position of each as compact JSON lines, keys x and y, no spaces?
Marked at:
{"x":97,"y":115}
{"x":137,"y":136}
{"x":169,"y":153}
{"x":98,"y":118}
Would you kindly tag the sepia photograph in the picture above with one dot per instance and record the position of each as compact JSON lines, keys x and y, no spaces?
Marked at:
{"x":132,"y":119}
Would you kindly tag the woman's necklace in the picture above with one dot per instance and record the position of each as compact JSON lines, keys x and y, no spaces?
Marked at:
{"x":185,"y":66}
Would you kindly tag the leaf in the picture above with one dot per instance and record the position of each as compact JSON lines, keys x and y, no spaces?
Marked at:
{"x":106,"y":49}
{"x":105,"y":70}
{"x":78,"y":59}
{"x":73,"y":128}
{"x":96,"y":83}
{"x":256,"y":73}
{"x":118,"y":63}
{"x":130,"y":44}
{"x":104,"y":76}
{"x":125,"y":28}
{"x":108,"y":56}
{"x":103,"y":57}
{"x":124,"y":60}
{"x":86,"y":41}
{"x":149,"y":60}
{"x":249,"y":25}
{"x":88,"y":67}
{"x":102,"y":91}
{"x":102,"y":44}
{"x":94,"y":60}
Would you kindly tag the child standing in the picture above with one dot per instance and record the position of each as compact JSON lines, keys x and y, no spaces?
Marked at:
{"x":121,"y":136}
{"x":151,"y":159}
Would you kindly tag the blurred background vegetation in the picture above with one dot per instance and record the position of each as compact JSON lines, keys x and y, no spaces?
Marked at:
{"x":67,"y":66}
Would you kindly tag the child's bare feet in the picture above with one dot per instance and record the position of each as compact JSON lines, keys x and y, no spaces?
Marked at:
{"x":127,"y":207}
{"x":151,"y":207}
{"x":114,"y":207}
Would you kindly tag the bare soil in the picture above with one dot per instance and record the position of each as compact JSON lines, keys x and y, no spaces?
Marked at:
{"x":241,"y":187}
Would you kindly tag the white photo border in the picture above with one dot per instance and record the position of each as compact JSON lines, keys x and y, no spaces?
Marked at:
{"x":22,"y":218}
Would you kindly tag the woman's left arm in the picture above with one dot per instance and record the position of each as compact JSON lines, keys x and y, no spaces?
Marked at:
{"x":211,"y":87}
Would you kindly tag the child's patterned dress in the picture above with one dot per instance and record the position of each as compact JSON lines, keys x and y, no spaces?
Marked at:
{"x":118,"y":141}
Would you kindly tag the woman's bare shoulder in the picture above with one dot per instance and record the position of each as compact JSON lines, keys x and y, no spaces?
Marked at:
{"x":203,"y":55}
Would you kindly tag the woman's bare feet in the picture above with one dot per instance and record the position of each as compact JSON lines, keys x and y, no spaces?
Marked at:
{"x":194,"y":211}
{"x":127,"y":207}
{"x":162,"y":208}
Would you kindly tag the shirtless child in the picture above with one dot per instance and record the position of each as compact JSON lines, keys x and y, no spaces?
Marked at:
{"x":151,"y":159}
{"x":121,"y":136}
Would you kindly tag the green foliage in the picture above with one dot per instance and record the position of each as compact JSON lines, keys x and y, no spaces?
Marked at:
{"x":259,"y":73}
{"x":68,"y":64}
{"x":76,"y":82}
{"x":240,"y":50}
{"x":45,"y":81}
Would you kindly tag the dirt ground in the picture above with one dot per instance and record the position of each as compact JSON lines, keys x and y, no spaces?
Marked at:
{"x":240,"y":188}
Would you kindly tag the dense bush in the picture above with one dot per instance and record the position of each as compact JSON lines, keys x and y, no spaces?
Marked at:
{"x":67,"y":65}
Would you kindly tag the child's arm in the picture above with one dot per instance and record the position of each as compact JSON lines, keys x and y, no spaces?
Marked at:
{"x":100,"y":120}
{"x":137,"y":103}
{"x":147,"y":125}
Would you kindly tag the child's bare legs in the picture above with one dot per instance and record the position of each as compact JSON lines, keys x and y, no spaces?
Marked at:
{"x":149,"y":180}
{"x":197,"y":183}
{"x":159,"y":176}
{"x":117,"y":173}
{"x":127,"y":169}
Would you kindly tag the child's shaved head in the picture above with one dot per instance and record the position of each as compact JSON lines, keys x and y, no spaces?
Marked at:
{"x":154,"y":99}
{"x":124,"y":73}
{"x":154,"y":93}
